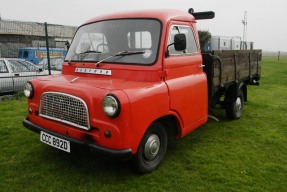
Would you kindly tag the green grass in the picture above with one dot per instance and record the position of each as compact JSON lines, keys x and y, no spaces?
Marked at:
{"x":249,"y":154}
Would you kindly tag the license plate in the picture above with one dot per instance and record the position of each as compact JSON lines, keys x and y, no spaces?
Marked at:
{"x":55,"y":141}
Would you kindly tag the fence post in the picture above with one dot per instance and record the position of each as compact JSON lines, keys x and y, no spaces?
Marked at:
{"x":47,"y":47}
{"x":278,"y":55}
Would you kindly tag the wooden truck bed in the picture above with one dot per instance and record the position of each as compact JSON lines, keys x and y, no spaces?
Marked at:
{"x":226,"y":67}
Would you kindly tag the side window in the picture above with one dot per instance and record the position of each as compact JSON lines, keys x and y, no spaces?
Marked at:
{"x":18,"y":67}
{"x":191,"y":46}
{"x":26,"y":54}
{"x":92,"y":42}
{"x":3,"y":67}
{"x":139,"y":40}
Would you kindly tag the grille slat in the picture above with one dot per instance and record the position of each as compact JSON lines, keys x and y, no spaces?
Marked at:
{"x":65,"y":108}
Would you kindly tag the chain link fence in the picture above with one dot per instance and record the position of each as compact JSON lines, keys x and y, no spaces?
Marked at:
{"x":23,"y":51}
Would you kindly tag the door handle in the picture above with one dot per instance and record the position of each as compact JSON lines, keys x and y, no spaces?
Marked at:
{"x":201,"y":66}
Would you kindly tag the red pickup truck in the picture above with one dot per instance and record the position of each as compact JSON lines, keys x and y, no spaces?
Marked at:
{"x":132,"y":80}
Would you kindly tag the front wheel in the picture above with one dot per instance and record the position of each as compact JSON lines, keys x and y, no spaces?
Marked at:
{"x":234,"y":107}
{"x":152,"y":149}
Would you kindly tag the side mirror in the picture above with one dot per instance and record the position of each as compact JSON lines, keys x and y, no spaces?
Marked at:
{"x":179,"y":42}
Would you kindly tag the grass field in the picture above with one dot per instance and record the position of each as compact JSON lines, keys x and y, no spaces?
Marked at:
{"x":249,"y":154}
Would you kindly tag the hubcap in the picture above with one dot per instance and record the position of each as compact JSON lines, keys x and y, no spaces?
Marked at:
{"x":238,"y":105}
{"x":152,"y":146}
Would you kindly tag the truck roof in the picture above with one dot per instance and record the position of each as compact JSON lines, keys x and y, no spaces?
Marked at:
{"x":163,"y":15}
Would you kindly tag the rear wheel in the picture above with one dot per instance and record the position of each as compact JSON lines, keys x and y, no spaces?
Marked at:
{"x":234,"y":105}
{"x":152,"y":149}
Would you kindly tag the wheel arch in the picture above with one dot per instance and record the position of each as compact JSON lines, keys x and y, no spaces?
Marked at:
{"x":171,"y":124}
{"x":233,"y":90}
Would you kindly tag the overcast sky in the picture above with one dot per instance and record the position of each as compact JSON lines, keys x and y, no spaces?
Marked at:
{"x":266,"y":20}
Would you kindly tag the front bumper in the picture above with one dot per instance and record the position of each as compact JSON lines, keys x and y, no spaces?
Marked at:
{"x":111,"y":153}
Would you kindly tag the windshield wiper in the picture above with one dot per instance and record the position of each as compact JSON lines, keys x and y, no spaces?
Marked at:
{"x":88,"y":51}
{"x":121,"y":53}
{"x":82,"y":53}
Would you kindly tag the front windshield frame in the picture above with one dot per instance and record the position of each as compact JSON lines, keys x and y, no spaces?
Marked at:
{"x":121,"y":39}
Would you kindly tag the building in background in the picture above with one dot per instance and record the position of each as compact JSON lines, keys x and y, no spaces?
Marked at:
{"x":20,"y":34}
{"x":227,"y":43}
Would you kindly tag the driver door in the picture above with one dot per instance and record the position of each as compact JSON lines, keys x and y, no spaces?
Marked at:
{"x":185,"y":79}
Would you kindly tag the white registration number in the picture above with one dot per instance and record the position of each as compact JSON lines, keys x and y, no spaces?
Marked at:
{"x":55,"y":141}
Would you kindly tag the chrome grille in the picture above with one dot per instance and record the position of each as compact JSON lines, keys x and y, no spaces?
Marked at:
{"x":65,"y":108}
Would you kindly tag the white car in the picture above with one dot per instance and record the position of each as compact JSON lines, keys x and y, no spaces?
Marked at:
{"x":14,"y":73}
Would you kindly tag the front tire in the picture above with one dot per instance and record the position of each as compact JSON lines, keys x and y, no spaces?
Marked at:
{"x":152,"y":149}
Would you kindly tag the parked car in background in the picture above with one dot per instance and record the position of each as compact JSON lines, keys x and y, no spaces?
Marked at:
{"x":14,"y":73}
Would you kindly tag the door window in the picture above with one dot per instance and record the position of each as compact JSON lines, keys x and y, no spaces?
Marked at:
{"x":191,"y":46}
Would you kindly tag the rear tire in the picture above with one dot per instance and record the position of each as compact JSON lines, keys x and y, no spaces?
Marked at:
{"x":234,"y":106}
{"x":152,"y":149}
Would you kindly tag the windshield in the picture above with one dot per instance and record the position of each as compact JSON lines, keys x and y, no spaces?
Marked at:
{"x":103,"y":41}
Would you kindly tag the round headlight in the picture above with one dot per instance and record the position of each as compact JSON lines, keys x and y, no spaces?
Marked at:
{"x":28,"y":90}
{"x":111,"y":106}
